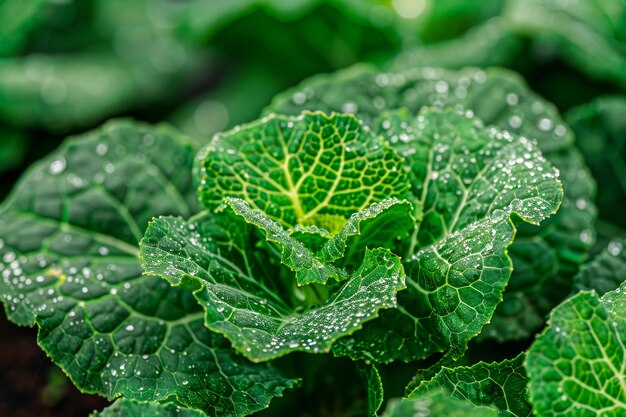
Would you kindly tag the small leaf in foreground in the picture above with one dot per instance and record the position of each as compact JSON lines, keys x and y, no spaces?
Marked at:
{"x":499,"y":385}
{"x":374,"y":385}
{"x":243,"y":308}
{"x":577,"y":365}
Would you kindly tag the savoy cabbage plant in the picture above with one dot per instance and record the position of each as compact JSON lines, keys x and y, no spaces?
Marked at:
{"x":366,"y":220}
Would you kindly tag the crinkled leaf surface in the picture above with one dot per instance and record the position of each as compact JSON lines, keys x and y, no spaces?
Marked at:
{"x":69,"y":260}
{"x":382,"y":224}
{"x":498,"y":385}
{"x":499,"y":97}
{"x":546,"y":259}
{"x":502,"y":99}
{"x":463,"y":171}
{"x":294,"y":254}
{"x":312,"y":169}
{"x":361,"y":230}
{"x":253,"y":317}
{"x":437,"y":404}
{"x":577,"y":365}
{"x":600,"y":129}
{"x":467,"y":181}
{"x":374,"y":385}
{"x":606,"y":271}
{"x":131,"y":408}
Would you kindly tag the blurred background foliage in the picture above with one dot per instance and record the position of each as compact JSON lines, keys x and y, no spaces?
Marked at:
{"x":207,"y":65}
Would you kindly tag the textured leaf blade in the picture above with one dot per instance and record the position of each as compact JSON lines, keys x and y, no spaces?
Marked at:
{"x":69,"y":260}
{"x":546,"y":259}
{"x":374,"y":385}
{"x":307,"y":170}
{"x":365,"y":229}
{"x":55,"y":198}
{"x":576,"y":366}
{"x":469,"y":180}
{"x":129,"y":408}
{"x":463,"y":171}
{"x":498,"y":385}
{"x":255,"y":319}
{"x":499,"y":98}
{"x":294,"y":254}
{"x":361,"y":230}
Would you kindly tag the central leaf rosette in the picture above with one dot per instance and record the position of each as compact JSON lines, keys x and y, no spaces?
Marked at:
{"x":292,"y":202}
{"x":309,"y":211}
